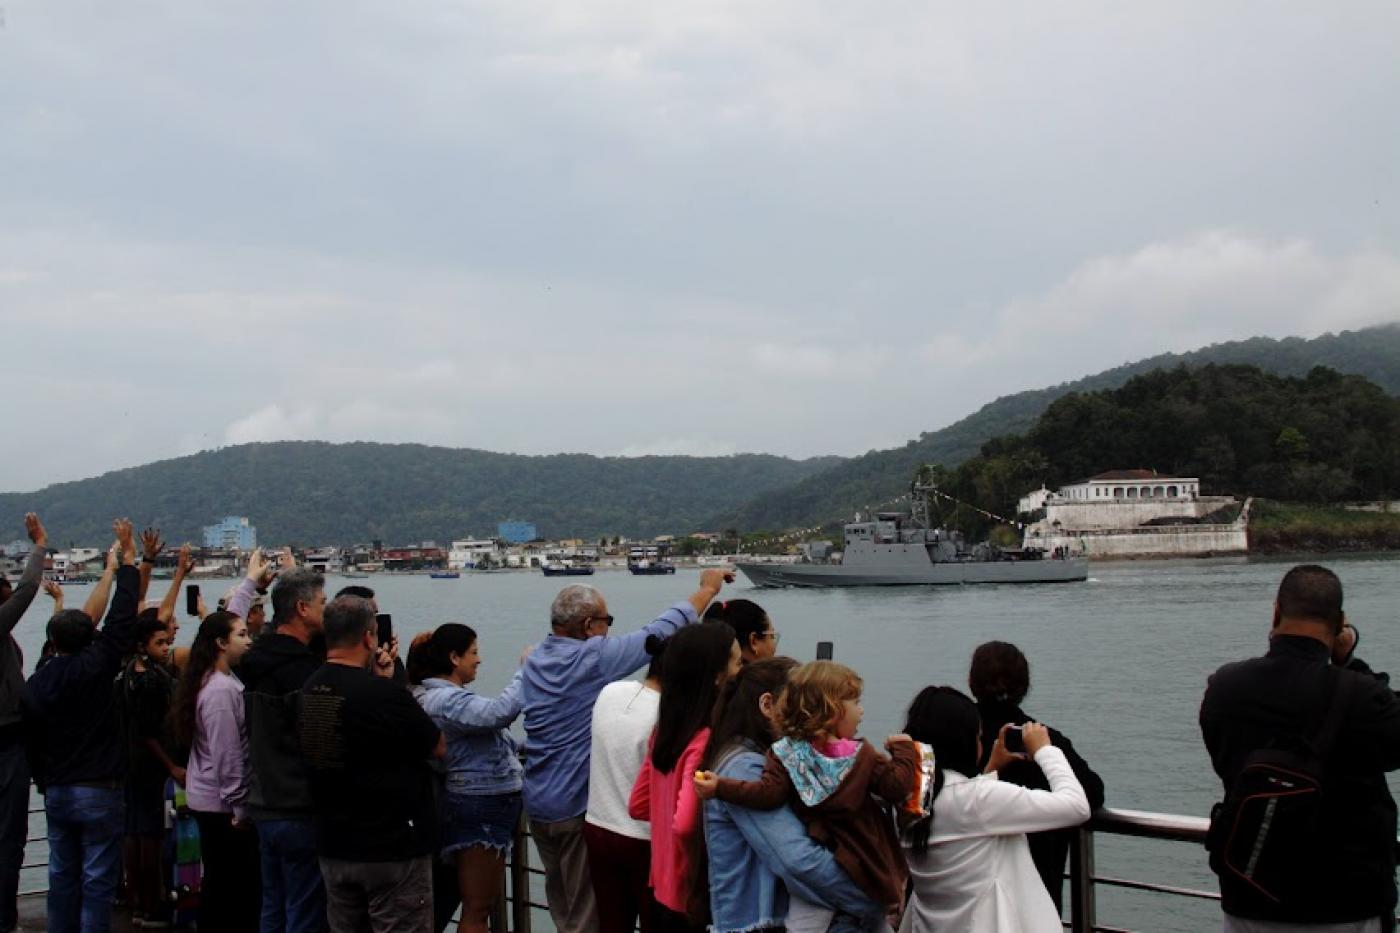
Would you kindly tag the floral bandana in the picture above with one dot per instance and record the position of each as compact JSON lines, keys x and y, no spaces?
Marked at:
{"x":814,"y":776}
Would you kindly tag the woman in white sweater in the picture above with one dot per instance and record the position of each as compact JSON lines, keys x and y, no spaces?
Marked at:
{"x":969,"y":862}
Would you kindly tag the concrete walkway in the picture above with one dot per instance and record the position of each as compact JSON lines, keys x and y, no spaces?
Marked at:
{"x":31,"y":916}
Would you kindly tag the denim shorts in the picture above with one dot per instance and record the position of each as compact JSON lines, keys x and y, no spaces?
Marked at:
{"x":488,"y":820}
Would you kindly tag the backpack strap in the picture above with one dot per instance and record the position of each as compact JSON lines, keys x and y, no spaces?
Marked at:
{"x":1339,"y":691}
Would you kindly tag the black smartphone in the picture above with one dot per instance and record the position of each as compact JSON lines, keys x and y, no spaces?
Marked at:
{"x":192,"y":599}
{"x":824,"y":650}
{"x":386,"y":628}
{"x":1015,"y":742}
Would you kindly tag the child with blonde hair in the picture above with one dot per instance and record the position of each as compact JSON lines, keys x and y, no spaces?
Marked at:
{"x":832,"y":779}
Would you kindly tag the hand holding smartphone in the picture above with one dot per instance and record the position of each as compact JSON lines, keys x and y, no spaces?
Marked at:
{"x":386,"y":628}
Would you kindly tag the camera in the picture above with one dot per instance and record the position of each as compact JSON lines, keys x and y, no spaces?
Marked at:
{"x":1014,"y":741}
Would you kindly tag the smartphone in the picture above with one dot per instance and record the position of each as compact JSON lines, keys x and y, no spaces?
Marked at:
{"x":192,"y":599}
{"x":1015,"y":741}
{"x":824,"y":650}
{"x":386,"y":628}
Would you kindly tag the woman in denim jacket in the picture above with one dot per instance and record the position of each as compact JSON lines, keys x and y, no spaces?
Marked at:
{"x":482,"y":804}
{"x":757,"y":856}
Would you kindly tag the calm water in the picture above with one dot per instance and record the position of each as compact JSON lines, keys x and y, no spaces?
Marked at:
{"x":1117,"y":663}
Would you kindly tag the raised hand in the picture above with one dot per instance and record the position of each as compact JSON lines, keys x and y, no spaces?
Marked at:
{"x":186,"y":561}
{"x":257,"y":565}
{"x":1000,"y":757}
{"x":715,"y":579}
{"x":1035,"y":736}
{"x":113,"y":556}
{"x":55,"y":593}
{"x":286,"y":560}
{"x":384,"y":659}
{"x":125,"y":538}
{"x":151,"y":543}
{"x":35,"y":529}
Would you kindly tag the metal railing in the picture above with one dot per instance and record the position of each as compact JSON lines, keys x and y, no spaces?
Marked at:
{"x":515,"y":908}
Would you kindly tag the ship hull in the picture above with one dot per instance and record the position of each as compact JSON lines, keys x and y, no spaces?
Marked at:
{"x":653,"y":571}
{"x":940,"y":574}
{"x":567,"y":571}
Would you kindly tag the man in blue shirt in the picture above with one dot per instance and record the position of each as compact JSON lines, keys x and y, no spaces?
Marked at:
{"x":561,"y":680}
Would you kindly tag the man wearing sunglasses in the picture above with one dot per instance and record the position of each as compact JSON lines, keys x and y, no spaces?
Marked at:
{"x":560,"y":682}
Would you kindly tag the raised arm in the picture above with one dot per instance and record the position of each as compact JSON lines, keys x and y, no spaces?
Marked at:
{"x":247,"y":591}
{"x":1004,"y":809}
{"x":97,"y":600}
{"x":28,"y":587}
{"x":469,"y":712}
{"x":772,"y":789}
{"x":166,"y":612}
{"x":151,"y":546}
{"x":893,"y":777}
{"x":620,"y":657}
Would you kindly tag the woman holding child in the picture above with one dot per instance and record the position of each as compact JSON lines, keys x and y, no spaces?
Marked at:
{"x":761,"y":860}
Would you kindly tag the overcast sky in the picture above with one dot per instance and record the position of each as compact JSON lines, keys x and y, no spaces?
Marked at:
{"x":640,"y":226}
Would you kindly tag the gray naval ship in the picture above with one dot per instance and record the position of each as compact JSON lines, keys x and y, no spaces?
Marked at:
{"x":903,"y":549}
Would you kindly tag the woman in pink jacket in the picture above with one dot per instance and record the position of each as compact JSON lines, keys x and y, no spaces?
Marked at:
{"x":207,"y":717}
{"x":698,"y":659}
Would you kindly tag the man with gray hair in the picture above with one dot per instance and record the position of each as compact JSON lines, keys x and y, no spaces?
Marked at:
{"x":561,"y":680}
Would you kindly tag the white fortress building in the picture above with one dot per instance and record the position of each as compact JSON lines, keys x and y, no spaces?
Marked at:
{"x":1129,"y":513}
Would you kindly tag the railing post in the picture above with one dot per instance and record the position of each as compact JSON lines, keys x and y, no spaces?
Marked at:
{"x":1082,"y":918}
{"x":520,"y":879}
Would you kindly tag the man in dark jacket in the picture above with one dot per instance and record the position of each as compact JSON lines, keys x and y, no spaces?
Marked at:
{"x":14,"y":768}
{"x":279,"y":795}
{"x":79,"y":753}
{"x":1277,"y":701}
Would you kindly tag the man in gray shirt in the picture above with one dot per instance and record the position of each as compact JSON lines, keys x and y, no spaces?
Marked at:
{"x":14,"y":768}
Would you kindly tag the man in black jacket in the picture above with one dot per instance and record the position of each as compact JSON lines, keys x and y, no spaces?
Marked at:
{"x":79,"y":757}
{"x":279,"y":795}
{"x":14,"y":767}
{"x":1278,"y":700}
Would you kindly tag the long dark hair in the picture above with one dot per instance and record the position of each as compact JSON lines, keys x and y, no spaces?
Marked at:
{"x":696,"y":657}
{"x":204,"y":653}
{"x":447,"y":639}
{"x":745,"y":616}
{"x":737,"y":717}
{"x":946,"y":720}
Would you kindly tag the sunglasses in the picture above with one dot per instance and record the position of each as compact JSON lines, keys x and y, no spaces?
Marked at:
{"x":606,"y":620}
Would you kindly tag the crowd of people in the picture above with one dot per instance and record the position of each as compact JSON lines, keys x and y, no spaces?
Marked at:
{"x":335,"y":787}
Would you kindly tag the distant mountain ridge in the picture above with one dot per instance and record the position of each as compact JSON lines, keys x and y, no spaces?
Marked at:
{"x":880,"y":475}
{"x":312,"y":492}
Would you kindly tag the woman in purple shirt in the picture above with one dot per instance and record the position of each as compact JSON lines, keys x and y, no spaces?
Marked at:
{"x":207,"y":717}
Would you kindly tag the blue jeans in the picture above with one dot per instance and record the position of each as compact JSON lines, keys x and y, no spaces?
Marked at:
{"x":85,"y":856}
{"x":293,"y":894}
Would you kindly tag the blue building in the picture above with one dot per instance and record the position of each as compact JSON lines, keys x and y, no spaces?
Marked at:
{"x":516,"y":532}
{"x":233,"y":532}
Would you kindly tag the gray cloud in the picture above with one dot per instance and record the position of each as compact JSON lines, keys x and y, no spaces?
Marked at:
{"x":629,"y":227}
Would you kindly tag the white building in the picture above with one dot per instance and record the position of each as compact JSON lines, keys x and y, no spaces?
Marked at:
{"x":1129,"y":484}
{"x":324,"y":560}
{"x":470,"y":551}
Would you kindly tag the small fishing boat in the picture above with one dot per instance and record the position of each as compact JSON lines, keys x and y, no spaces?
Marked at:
{"x":554,"y":569}
{"x":445,"y":575}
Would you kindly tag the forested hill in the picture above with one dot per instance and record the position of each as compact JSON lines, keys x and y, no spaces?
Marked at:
{"x":1321,"y":438}
{"x":880,"y":475}
{"x":310,"y":493}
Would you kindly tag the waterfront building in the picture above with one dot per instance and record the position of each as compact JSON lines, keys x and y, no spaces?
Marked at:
{"x":324,"y":559}
{"x":1125,"y":513}
{"x":234,"y":533}
{"x":469,"y":552}
{"x":516,"y":532}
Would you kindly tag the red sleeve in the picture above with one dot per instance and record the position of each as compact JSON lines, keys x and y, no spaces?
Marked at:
{"x":639,"y":803}
{"x":687,"y":818}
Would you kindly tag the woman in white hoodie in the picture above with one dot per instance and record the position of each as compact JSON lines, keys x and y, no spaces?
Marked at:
{"x":969,"y":862}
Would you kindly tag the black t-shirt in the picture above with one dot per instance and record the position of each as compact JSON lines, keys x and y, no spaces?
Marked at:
{"x":366,"y":744}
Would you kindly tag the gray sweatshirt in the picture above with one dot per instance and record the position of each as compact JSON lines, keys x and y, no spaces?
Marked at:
{"x":11,"y":658}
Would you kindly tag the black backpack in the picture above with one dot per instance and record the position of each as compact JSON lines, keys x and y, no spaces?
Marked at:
{"x":1266,"y":833}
